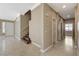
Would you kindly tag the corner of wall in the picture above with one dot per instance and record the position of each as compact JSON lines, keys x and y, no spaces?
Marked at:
{"x":47,"y":49}
{"x":36,"y":5}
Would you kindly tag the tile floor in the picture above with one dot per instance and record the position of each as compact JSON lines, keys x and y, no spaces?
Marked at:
{"x":62,"y":48}
{"x":9,"y":46}
{"x":13,"y":47}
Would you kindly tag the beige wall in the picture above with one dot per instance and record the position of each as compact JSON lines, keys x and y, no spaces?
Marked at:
{"x":63,"y":29}
{"x":59,"y":29}
{"x":43,"y":26}
{"x":50,"y":26}
{"x":36,"y":25}
{"x":47,"y":25}
{"x":50,"y":21}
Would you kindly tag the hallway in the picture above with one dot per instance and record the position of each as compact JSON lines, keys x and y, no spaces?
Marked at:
{"x":63,"y":48}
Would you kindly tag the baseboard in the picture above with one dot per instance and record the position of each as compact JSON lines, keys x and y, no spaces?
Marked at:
{"x":36,"y":44}
{"x":9,"y":35}
{"x":17,"y":38}
{"x":45,"y":50}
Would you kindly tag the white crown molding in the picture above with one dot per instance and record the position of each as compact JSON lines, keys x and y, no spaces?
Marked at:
{"x":36,"y":5}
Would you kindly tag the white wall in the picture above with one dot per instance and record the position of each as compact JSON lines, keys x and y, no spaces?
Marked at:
{"x":9,"y":29}
{"x":17,"y":28}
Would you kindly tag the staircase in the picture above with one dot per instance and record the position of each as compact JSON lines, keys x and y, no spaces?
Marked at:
{"x":27,"y":39}
{"x":25,"y":28}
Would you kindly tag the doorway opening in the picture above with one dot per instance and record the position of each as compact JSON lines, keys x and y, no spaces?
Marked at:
{"x":69,"y":26}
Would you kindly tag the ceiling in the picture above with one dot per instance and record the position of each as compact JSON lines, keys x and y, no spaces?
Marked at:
{"x":67,"y":12}
{"x":9,"y":11}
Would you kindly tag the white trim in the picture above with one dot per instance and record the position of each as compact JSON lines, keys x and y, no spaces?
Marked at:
{"x":16,"y":37}
{"x":43,"y":51}
{"x":8,"y":35}
{"x":36,"y":5}
{"x":36,"y":44}
{"x":42,"y":27}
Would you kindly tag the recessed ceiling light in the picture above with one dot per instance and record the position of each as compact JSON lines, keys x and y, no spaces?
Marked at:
{"x":64,"y":6}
